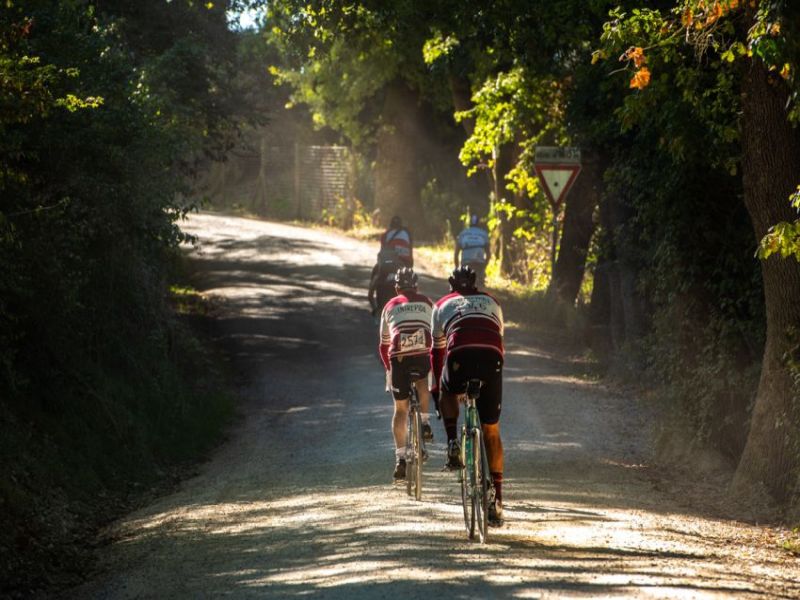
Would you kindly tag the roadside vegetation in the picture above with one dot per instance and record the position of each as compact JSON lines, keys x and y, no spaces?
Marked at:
{"x":104,"y":387}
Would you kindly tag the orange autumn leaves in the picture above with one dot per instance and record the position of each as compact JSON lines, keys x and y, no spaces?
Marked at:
{"x":641,"y":78}
{"x":698,"y":15}
{"x":704,"y":14}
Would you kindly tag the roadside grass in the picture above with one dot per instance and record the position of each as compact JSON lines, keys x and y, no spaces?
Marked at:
{"x":792,"y":543}
{"x":119,"y":430}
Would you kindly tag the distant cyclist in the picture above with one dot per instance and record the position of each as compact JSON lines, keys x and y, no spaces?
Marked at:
{"x":395,"y":252}
{"x":473,"y":246}
{"x":405,"y":344}
{"x":398,"y":238}
{"x":467,"y":329}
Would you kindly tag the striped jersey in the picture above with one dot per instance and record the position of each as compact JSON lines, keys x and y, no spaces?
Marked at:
{"x":465,"y":320}
{"x":405,"y":327}
{"x":400,"y":240}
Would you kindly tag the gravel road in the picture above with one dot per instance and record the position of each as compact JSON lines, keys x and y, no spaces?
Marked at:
{"x":298,"y":502}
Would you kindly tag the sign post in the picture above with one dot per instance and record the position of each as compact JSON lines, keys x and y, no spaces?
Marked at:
{"x":557,"y":168}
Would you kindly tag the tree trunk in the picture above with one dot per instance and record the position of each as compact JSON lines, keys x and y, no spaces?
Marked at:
{"x":397,"y":186}
{"x":577,"y":233}
{"x":462,"y":99}
{"x":504,"y":162}
{"x":771,"y":172}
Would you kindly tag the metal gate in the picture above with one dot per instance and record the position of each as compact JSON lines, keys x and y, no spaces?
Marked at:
{"x":289,"y":182}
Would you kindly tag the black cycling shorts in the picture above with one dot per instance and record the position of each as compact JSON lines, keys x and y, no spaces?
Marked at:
{"x":406,"y":370}
{"x":476,"y":363}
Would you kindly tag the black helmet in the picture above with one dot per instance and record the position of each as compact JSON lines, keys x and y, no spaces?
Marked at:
{"x":405,"y":278}
{"x":462,"y":279}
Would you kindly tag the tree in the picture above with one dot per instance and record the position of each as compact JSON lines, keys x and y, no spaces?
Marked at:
{"x":754,"y":49}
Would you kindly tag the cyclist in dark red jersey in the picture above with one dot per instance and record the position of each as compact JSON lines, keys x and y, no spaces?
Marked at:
{"x":398,"y":237}
{"x":404,"y":349}
{"x":396,"y":252}
{"x":467,"y":329}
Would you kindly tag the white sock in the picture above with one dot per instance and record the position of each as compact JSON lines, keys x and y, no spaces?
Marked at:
{"x":426,"y":418}
{"x":400,"y":453}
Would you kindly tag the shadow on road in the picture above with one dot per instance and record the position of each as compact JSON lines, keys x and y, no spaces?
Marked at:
{"x":299,"y":503}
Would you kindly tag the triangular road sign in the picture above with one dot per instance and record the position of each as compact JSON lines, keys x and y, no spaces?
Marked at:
{"x":557,"y":179}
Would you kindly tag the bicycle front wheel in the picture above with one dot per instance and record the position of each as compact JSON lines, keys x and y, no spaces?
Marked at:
{"x":480,"y":497}
{"x":467,"y":482}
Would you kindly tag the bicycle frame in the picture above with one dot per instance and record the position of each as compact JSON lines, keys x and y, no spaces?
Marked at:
{"x":415,"y":445}
{"x":474,"y":474}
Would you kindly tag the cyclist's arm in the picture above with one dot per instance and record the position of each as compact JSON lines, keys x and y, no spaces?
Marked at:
{"x":456,"y":253}
{"x":385,"y":342}
{"x":438,"y":349}
{"x":500,"y":314}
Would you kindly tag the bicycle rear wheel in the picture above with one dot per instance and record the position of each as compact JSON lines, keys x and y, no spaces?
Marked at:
{"x":410,"y":454}
{"x":480,"y":497}
{"x":467,"y":475}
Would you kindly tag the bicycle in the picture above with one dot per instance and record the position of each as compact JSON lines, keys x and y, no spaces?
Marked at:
{"x":476,"y":485}
{"x":415,"y":444}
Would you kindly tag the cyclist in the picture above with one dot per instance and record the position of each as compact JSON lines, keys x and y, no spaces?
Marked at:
{"x":473,"y":246}
{"x":405,"y":344}
{"x":398,"y":238}
{"x":395,"y":252}
{"x":467,"y":330}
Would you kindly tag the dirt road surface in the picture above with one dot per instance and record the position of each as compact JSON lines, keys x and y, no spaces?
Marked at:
{"x":298,"y":502}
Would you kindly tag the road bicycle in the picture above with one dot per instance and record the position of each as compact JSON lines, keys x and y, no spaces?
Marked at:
{"x":476,"y":486}
{"x":415,"y":444}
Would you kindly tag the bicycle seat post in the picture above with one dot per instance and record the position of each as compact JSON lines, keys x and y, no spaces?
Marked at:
{"x":473,"y":390}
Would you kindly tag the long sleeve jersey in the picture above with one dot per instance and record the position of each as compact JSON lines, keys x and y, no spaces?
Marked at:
{"x":405,"y":327}
{"x":464,"y":320}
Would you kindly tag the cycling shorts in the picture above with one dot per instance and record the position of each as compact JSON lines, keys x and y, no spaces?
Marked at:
{"x":406,"y":370}
{"x":476,"y":363}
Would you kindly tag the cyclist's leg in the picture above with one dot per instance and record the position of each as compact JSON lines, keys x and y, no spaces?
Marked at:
{"x":400,"y":393}
{"x":422,"y":364}
{"x":399,"y":424}
{"x":448,"y":406}
{"x":453,"y":384}
{"x":494,"y":448}
{"x":489,"y":408}
{"x":384,"y":293}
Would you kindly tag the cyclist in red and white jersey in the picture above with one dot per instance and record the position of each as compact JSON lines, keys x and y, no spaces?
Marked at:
{"x":399,"y":239}
{"x":467,"y":329}
{"x":405,"y":332}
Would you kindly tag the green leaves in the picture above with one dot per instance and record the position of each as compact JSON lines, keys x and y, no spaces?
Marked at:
{"x":783,"y":238}
{"x":72,"y":103}
{"x":438,"y":46}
